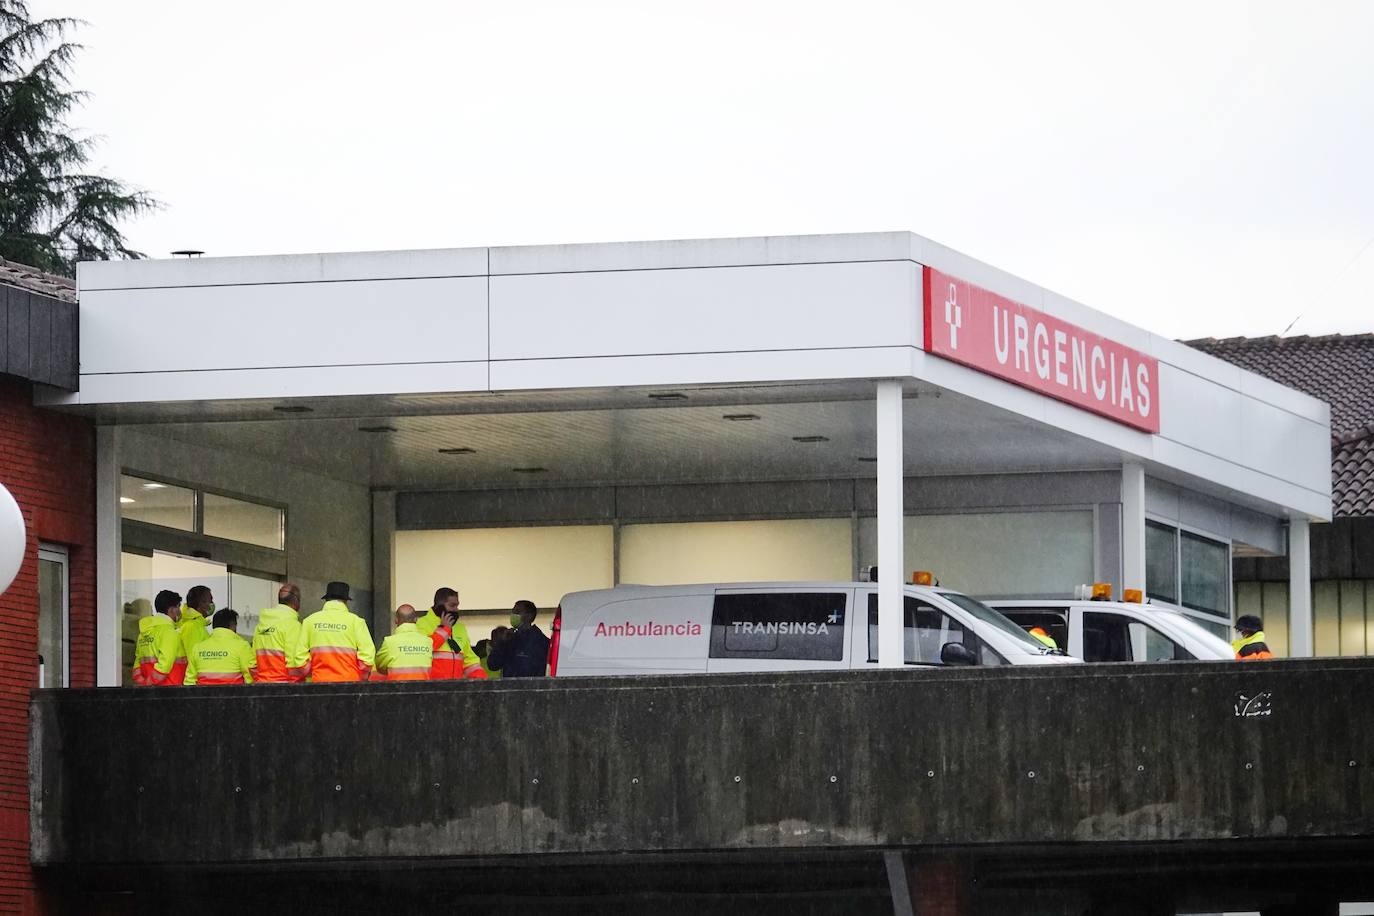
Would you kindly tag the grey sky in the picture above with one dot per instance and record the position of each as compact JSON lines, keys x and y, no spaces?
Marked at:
{"x":1196,"y":168}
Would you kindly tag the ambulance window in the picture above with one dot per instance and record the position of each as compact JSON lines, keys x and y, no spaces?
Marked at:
{"x":794,"y":625}
{"x":925,"y":630}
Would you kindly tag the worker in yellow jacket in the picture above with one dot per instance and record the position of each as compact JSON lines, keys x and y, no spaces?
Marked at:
{"x":194,"y":624}
{"x":275,"y":637}
{"x":158,"y":658}
{"x":405,"y":655}
{"x":334,"y":644}
{"x":454,"y":658}
{"x":223,"y":657}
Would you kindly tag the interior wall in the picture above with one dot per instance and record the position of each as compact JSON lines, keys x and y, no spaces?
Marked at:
{"x":328,"y":521}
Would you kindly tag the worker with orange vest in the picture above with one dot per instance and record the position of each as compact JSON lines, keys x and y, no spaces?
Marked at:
{"x":334,"y":644}
{"x":454,"y":657}
{"x":275,"y":636}
{"x":1251,"y":646}
{"x":158,"y":658}
{"x":407,"y":654}
{"x":1043,"y":637}
{"x":223,"y":657}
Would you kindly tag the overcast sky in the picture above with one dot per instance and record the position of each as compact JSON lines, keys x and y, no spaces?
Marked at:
{"x":1199,"y":168}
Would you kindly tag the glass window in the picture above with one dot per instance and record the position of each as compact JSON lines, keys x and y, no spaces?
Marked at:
{"x":1161,"y":562}
{"x":1053,"y":622}
{"x":1118,"y":638}
{"x":156,"y":503}
{"x":249,"y":523}
{"x":925,"y":630}
{"x":794,"y":625}
{"x":769,"y":550}
{"x":52,"y":616}
{"x":249,"y":595}
{"x":1205,"y":571}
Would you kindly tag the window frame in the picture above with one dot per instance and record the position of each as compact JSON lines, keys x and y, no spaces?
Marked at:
{"x":61,"y":554}
{"x":198,"y":494}
{"x":1224,"y":616}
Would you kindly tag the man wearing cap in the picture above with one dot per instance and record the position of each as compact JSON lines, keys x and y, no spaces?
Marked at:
{"x":1251,"y":645}
{"x":334,"y":644}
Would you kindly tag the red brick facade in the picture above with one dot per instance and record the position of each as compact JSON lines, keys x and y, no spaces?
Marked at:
{"x":47,"y":460}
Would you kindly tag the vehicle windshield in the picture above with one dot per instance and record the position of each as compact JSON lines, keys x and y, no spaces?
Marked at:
{"x":1023,"y":640}
{"x":1221,"y":647}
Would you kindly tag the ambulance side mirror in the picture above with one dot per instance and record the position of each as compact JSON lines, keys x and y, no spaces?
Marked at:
{"x":953,"y":653}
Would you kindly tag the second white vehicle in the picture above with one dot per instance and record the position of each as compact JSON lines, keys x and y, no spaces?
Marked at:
{"x":775,"y":626}
{"x":1114,"y":631}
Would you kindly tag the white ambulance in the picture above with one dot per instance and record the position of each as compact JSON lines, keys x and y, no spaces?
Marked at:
{"x":775,"y":626}
{"x":1117,"y":631}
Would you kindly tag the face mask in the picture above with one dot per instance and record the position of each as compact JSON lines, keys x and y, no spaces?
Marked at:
{"x":515,"y":620}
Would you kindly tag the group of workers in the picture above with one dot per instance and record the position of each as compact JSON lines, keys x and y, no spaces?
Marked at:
{"x":191,"y":643}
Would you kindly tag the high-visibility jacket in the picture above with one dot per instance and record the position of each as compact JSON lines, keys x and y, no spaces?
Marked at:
{"x":275,"y":637}
{"x":1040,"y":635}
{"x":223,"y":657}
{"x":406,"y":655}
{"x":334,"y":645}
{"x":192,"y":628}
{"x":1252,"y":648}
{"x":158,"y":659}
{"x":453,"y":655}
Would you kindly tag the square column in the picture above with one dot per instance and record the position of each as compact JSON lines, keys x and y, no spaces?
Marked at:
{"x":891,"y":521}
{"x":1133,"y":525}
{"x":1300,"y":639}
{"x":109,"y":608}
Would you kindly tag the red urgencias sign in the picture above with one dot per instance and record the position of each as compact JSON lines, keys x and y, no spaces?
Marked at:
{"x":982,"y":330}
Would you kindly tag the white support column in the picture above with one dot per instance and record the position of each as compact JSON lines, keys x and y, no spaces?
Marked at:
{"x":1133,"y":525}
{"x":891,"y":521}
{"x":108,"y":607}
{"x":1299,"y":589}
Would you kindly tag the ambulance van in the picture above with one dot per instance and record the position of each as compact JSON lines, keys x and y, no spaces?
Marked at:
{"x":775,"y":626}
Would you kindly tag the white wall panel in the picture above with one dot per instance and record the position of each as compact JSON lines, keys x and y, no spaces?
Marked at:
{"x":284,"y":324}
{"x":495,"y":567}
{"x":708,"y":310}
{"x":772,"y":550}
{"x":1001,"y":554}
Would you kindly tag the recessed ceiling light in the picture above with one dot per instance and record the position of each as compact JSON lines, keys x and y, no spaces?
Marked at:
{"x":293,"y":408}
{"x":376,"y":429}
{"x":463,"y":450}
{"x":810,"y":438}
{"x":154,"y":486}
{"x":866,"y":459}
{"x":529,"y":470}
{"x":668,"y":396}
{"x":740,"y":417}
{"x":126,"y":499}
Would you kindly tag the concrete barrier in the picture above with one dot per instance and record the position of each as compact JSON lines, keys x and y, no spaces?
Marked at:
{"x":1160,"y":755}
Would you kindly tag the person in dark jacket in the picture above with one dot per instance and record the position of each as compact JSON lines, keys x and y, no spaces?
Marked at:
{"x":523,"y":651}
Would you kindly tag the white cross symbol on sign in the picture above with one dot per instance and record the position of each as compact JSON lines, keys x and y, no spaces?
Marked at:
{"x":954,"y":317}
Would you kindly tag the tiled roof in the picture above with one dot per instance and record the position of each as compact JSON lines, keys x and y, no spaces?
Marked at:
{"x":34,"y":280}
{"x":1338,"y":369}
{"x":1352,"y":474}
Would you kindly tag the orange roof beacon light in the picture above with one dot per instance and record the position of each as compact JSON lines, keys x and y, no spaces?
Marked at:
{"x":1102,"y":591}
{"x":922,"y":577}
{"x":1132,"y":596}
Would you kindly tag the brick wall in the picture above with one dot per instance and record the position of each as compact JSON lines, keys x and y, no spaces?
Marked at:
{"x":47,"y":460}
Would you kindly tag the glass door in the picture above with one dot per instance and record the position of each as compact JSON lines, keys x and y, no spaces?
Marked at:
{"x":53,"y":616}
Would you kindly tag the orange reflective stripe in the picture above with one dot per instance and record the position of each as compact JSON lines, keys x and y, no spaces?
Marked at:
{"x":219,"y":678}
{"x":407,"y":674}
{"x":331,"y":664}
{"x":475,"y":673}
